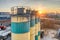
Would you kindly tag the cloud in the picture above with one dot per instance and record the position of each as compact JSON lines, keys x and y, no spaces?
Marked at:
{"x":37,"y":1}
{"x":51,"y":2}
{"x":43,"y":0}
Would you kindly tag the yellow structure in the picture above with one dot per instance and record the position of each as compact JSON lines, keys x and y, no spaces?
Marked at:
{"x":39,"y":29}
{"x":20,"y":26}
{"x":23,"y":27}
{"x":36,"y":28}
{"x":32,"y":28}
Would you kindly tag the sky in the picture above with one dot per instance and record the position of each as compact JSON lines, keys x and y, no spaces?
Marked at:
{"x":49,"y":5}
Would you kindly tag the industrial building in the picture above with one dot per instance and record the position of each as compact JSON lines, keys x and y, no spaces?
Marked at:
{"x":23,"y":24}
{"x":5,"y":18}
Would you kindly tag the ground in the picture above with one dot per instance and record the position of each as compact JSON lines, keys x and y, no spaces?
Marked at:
{"x":50,"y":35}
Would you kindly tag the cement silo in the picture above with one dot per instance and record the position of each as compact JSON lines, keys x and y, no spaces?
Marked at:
{"x":39,"y":28}
{"x":32,"y":26}
{"x":36,"y":26}
{"x":20,"y":26}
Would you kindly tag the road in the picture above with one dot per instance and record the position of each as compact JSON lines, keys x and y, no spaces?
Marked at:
{"x":9,"y":38}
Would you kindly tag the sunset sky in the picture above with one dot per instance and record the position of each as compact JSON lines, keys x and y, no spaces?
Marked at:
{"x":49,"y":5}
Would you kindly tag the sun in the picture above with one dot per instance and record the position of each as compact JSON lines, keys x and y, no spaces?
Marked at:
{"x":42,"y":12}
{"x":38,"y":13}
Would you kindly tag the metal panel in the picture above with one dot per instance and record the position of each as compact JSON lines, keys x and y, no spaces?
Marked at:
{"x":22,"y":27}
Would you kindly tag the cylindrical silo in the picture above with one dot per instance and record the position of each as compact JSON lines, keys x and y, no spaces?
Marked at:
{"x":38,"y":29}
{"x":36,"y":25}
{"x":20,"y":27}
{"x":32,"y":26}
